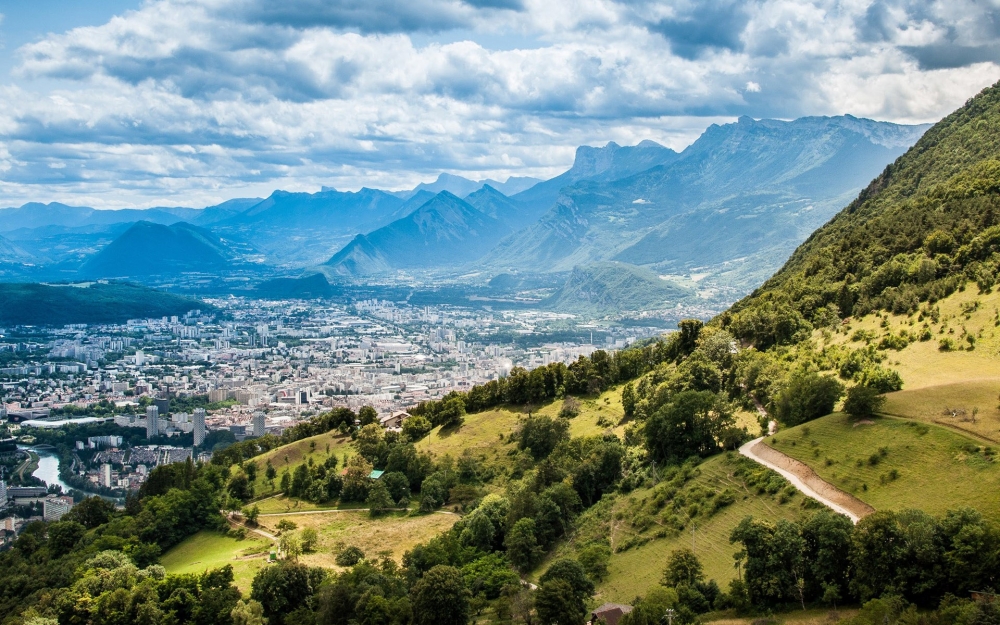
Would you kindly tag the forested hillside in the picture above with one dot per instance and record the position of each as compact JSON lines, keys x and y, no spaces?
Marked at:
{"x":927,"y":224}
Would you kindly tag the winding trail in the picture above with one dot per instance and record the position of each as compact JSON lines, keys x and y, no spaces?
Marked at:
{"x":806,"y":480}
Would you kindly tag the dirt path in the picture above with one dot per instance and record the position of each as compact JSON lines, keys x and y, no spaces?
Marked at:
{"x":806,"y":480}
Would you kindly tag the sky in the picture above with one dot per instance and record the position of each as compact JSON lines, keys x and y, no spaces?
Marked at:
{"x":114,"y":103}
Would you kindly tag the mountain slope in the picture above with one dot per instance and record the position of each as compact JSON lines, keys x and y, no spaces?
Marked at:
{"x":446,"y":231}
{"x":612,"y":162}
{"x":154,"y":249}
{"x":743,"y":189}
{"x":608,"y":288}
{"x":928,"y":223}
{"x":491,"y":202}
{"x":306,"y":228}
{"x":10,"y":253}
{"x":460,"y":186}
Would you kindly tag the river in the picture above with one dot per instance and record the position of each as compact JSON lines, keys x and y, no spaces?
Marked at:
{"x":48,"y":471}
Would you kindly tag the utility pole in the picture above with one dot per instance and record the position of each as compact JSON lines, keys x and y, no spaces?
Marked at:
{"x":669,"y":614}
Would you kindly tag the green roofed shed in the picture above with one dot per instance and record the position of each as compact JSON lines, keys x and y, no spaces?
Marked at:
{"x":374,"y":475}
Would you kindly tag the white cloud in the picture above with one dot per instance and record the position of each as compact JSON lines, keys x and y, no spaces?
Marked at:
{"x":189,"y":101}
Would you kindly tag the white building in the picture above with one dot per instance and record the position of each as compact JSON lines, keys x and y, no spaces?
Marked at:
{"x":259,"y":420}
{"x":55,"y":508}
{"x":199,"y":426}
{"x":152,"y":421}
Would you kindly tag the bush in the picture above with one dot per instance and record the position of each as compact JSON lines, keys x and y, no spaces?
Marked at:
{"x":863,"y":401}
{"x":570,"y":408}
{"x":349,"y":556}
{"x":807,"y":396}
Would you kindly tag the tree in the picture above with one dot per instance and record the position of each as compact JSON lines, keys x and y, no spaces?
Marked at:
{"x":440,"y":598}
{"x":367,"y":415}
{"x":350,"y":556}
{"x":683,"y":567}
{"x":540,"y":435}
{"x":357,"y":479}
{"x":309,"y":538}
{"x":239,"y":488}
{"x":247,"y":613}
{"x":64,"y":535}
{"x":863,"y":402}
{"x":379,"y":501}
{"x":557,"y":604}
{"x":689,"y":425}
{"x":451,"y":413}
{"x":398,"y":486}
{"x":290,"y":545}
{"x":91,"y":512}
{"x":807,"y":396}
{"x":571,"y":572}
{"x":416,"y":427}
{"x":594,"y":559}
{"x":522,"y":546}
{"x":251,"y":514}
{"x":370,"y":437}
{"x":270,"y":473}
{"x":281,"y":588}
{"x":489,"y":575}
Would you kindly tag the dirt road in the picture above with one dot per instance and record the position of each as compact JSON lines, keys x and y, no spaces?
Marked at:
{"x":805,"y":479}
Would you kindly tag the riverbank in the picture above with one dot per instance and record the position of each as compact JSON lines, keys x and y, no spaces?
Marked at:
{"x":29,"y":466}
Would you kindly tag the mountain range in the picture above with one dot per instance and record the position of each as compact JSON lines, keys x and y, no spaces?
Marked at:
{"x":729,"y":208}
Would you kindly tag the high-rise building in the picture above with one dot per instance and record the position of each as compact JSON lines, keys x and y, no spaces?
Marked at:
{"x":54,"y":508}
{"x":163,"y":405}
{"x":258,"y":423}
{"x":199,"y":426}
{"x":3,"y":493}
{"x":152,"y":421}
{"x":106,"y":475}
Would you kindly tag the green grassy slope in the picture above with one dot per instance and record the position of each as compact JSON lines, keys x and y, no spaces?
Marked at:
{"x":894,"y":464}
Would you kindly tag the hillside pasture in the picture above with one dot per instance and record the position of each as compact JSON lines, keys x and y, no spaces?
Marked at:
{"x":641,"y":545}
{"x":390,"y":536}
{"x":211,"y":550}
{"x":895,"y":464}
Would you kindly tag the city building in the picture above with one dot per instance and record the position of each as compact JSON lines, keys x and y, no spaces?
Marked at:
{"x":259,"y":423}
{"x":55,"y":508}
{"x":106,"y":475}
{"x":199,"y":426}
{"x":152,"y":421}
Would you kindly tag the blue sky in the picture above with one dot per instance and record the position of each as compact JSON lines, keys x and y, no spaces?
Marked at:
{"x":190,"y":102}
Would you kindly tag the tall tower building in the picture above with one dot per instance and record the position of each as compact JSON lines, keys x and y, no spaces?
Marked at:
{"x":199,"y":426}
{"x":152,"y":421}
{"x":258,"y":423}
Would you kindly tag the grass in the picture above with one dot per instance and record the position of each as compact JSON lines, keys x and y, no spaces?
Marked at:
{"x":210,"y":550}
{"x":292,"y":455}
{"x":922,"y":364}
{"x":391,"y":535}
{"x":634,"y":569}
{"x":796,"y":617}
{"x":894,"y":464}
{"x":484,"y":433}
{"x":968,"y":406}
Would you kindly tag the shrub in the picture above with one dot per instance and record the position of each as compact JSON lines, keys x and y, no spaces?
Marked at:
{"x":349,"y":556}
{"x":863,"y":401}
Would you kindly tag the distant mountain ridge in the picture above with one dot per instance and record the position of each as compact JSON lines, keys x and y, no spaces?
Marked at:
{"x":148,"y":249}
{"x":740,"y":190}
{"x":445,"y":231}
